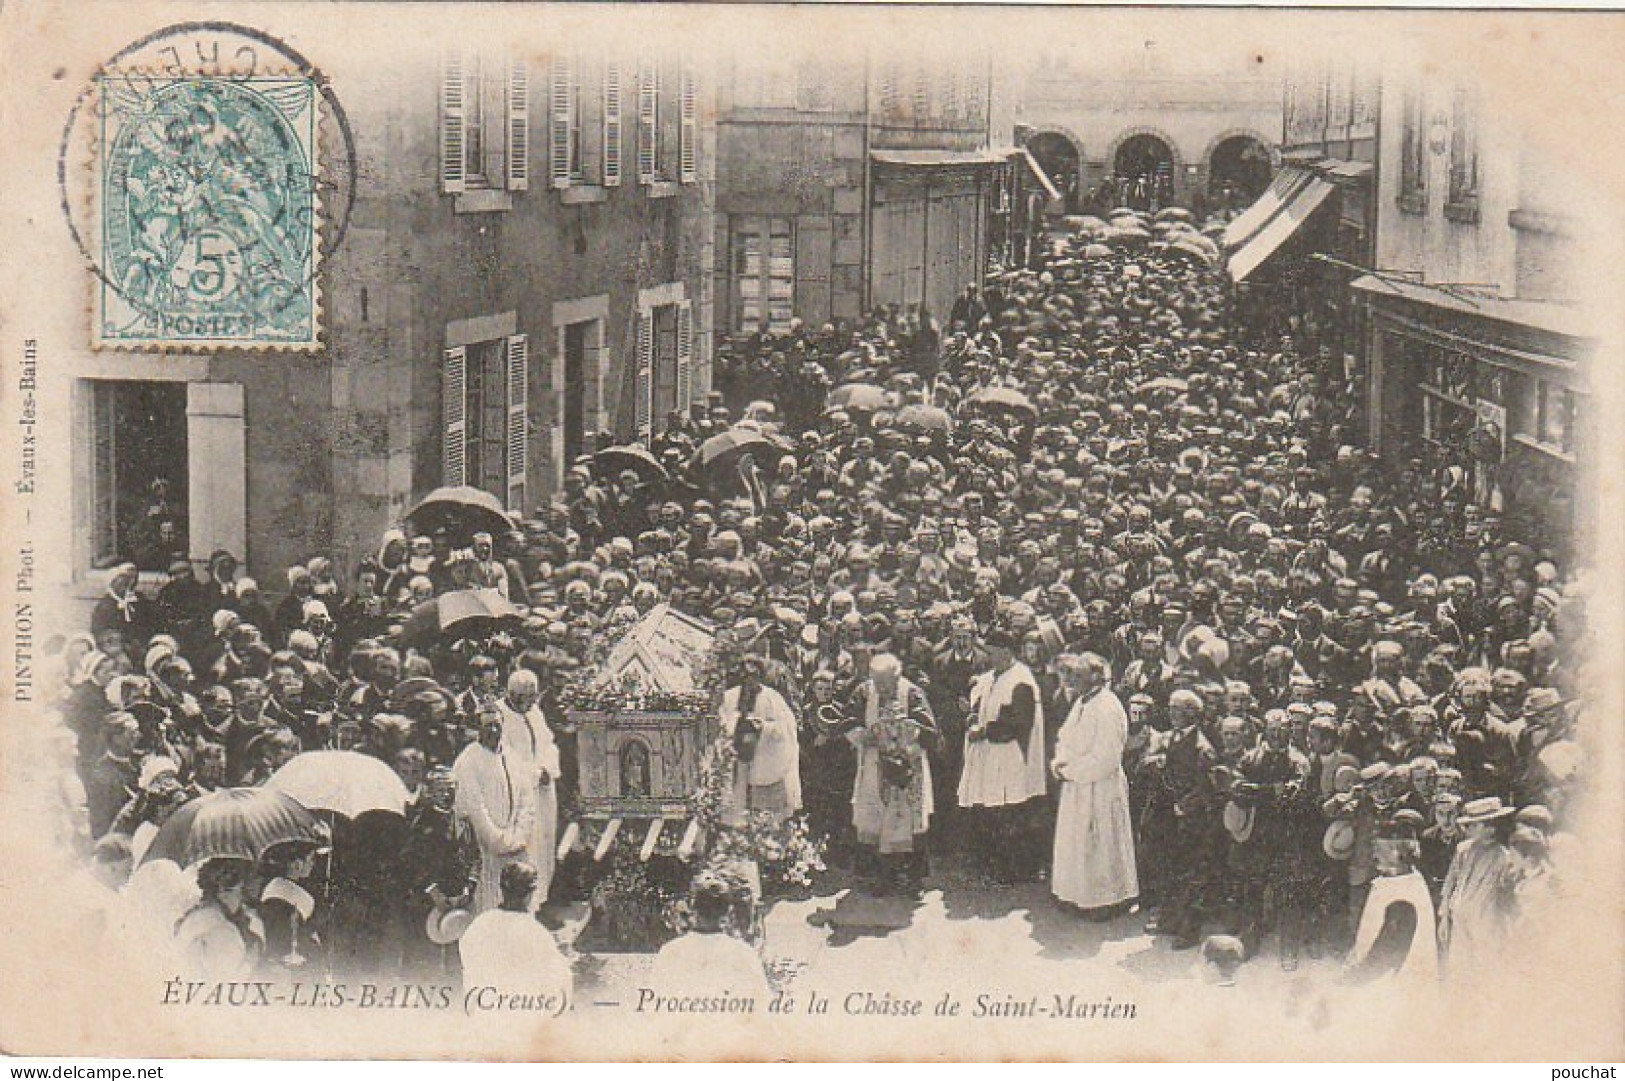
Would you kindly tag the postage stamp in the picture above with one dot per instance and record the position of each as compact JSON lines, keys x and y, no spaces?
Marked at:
{"x":208,"y":211}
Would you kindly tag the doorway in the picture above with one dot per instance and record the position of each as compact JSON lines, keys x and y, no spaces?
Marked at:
{"x":1238,"y":172}
{"x":1144,"y":168}
{"x":1058,"y":157}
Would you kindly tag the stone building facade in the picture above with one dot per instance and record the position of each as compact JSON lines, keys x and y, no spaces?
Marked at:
{"x":528,"y":261}
{"x":849,"y":182}
{"x":1210,"y":120}
{"x":1477,"y":345}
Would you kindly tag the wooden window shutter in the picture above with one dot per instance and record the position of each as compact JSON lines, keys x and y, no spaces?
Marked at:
{"x":648,"y":123}
{"x":643,"y":378}
{"x":518,"y":435}
{"x":452,"y":134}
{"x":922,"y":95}
{"x":688,"y":130}
{"x":890,"y":94}
{"x":561,"y":110}
{"x":454,"y":417}
{"x":685,"y":356}
{"x":518,"y":126}
{"x":612,"y":124}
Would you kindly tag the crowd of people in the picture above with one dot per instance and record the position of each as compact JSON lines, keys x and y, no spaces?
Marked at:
{"x":1099,"y":588}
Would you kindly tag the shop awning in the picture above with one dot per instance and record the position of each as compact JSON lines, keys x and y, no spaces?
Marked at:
{"x":1563,"y":319}
{"x":1037,"y":170}
{"x":1346,"y":170}
{"x":1249,"y":221}
{"x":939,"y":158}
{"x":1279,"y":229}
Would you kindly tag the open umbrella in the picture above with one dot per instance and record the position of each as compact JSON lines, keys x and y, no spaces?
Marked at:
{"x":1002,"y":398}
{"x":408,"y":689}
{"x":722,"y":452}
{"x":1186,"y":251}
{"x":234,"y":823}
{"x":925,"y":418}
{"x":859,"y":397}
{"x":612,"y":461}
{"x":1166,"y":382}
{"x":463,"y":510}
{"x":1173,"y":213}
{"x":458,"y":610}
{"x":344,"y":782}
{"x":1097,"y":251}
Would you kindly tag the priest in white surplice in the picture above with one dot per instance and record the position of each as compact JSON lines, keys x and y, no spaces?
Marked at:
{"x":1004,"y":776}
{"x":527,"y":738}
{"x":1094,"y":839}
{"x":496,"y":796}
{"x":762,"y":726}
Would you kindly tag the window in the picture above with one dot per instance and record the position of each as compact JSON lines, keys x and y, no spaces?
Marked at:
{"x":582,"y":345}
{"x":484,"y":125}
{"x":649,"y":162}
{"x":663,"y":380}
{"x":564,"y":130}
{"x":664,"y":361}
{"x":1413,"y":155}
{"x":474,"y":150}
{"x":1551,"y":417}
{"x":139,"y":477}
{"x":486,"y":430}
{"x":764,"y":273}
{"x":1462,"y":204}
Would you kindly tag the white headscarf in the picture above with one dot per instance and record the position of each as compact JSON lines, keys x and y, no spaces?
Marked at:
{"x":87,"y":667}
{"x":390,"y":537}
{"x":126,"y":600}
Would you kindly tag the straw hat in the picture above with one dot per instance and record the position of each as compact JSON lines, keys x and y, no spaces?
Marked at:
{"x":1484,"y":809}
{"x":1338,"y":841}
{"x":446,"y":925}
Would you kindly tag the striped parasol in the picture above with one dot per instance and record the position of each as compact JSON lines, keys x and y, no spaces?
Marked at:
{"x":236,"y":823}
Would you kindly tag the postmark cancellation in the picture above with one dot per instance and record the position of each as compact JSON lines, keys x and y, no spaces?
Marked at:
{"x":208,"y":211}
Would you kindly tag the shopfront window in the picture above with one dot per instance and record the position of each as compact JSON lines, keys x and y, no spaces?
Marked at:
{"x":1554,"y":417}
